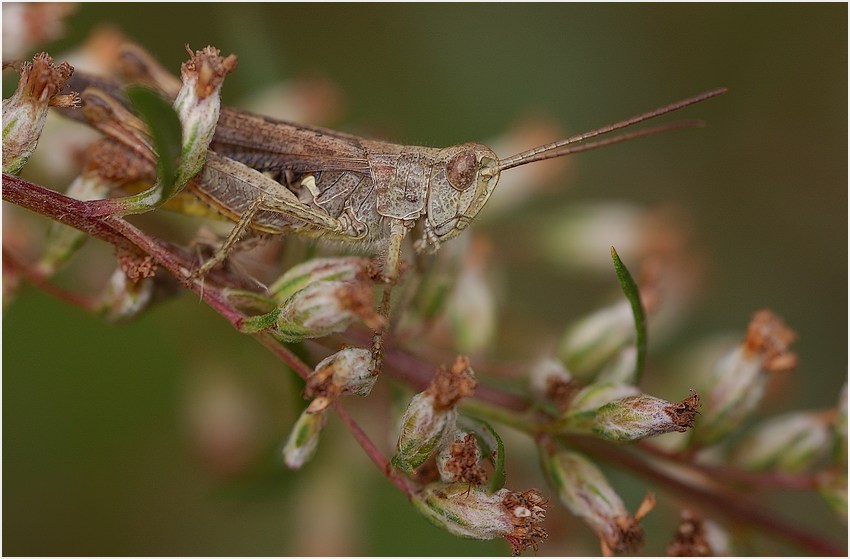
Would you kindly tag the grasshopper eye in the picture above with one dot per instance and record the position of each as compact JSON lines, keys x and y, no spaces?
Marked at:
{"x":461,"y":169}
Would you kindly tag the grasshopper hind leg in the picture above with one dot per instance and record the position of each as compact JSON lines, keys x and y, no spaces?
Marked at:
{"x":235,"y":234}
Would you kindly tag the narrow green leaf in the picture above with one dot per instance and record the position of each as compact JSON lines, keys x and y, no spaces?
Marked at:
{"x":630,"y":290}
{"x":166,"y":132}
{"x":492,"y":448}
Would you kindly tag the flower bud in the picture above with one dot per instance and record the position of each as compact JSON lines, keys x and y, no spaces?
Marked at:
{"x":735,"y":386}
{"x":458,"y":460}
{"x":550,"y":380}
{"x":325,"y":308}
{"x":431,"y":415}
{"x":25,"y":112}
{"x":596,"y":395}
{"x":345,"y":268}
{"x":585,"y":491}
{"x":595,"y":339}
{"x":638,"y":417}
{"x":348,"y":371}
{"x":27,"y":25}
{"x":198,"y":104}
{"x":470,"y":512}
{"x":471,"y":308}
{"x":125,"y":298}
{"x":790,"y":443}
{"x":304,"y":438}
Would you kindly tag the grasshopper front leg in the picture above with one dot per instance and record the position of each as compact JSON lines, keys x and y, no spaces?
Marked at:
{"x":389,"y":275}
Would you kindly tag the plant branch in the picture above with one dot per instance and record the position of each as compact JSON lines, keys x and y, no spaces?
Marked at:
{"x":729,"y":504}
{"x":402,"y":365}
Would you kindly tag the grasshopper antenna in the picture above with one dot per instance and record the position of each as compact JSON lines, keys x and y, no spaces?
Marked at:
{"x":560,"y":148}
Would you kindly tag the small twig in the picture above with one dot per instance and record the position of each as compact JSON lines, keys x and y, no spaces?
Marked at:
{"x":373,"y":452}
{"x":40,"y":281}
{"x":729,"y":474}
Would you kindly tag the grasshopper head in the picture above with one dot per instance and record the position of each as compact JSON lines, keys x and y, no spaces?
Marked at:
{"x":463,"y":179}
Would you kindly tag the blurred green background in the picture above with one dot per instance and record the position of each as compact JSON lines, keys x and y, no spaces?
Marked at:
{"x":101,"y":452}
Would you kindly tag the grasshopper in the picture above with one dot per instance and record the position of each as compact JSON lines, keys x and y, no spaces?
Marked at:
{"x":278,"y":177}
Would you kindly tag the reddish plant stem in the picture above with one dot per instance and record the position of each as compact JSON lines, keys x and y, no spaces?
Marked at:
{"x":373,"y":452}
{"x":778,"y":480}
{"x":121,"y":233}
{"x":731,"y":505}
{"x":38,"y":279}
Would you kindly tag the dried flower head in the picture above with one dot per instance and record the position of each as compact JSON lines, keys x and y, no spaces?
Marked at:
{"x":638,"y":417}
{"x":459,"y":460}
{"x":470,"y":512}
{"x":450,"y":385}
{"x":735,"y":386}
{"x":585,"y":491}
{"x":25,"y":112}
{"x":349,"y":371}
{"x":431,"y":415}
{"x":691,"y":539}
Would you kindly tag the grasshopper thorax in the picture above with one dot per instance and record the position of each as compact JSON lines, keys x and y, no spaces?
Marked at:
{"x":463,"y":178}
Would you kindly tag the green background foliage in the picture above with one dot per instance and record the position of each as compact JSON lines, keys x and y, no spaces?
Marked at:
{"x":98,"y":453}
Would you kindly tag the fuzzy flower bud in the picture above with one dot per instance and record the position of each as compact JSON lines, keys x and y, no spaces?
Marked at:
{"x":790,"y":443}
{"x":595,"y":339}
{"x":431,"y":415}
{"x":550,"y":380}
{"x":585,"y":491}
{"x":736,"y":385}
{"x":471,"y":308}
{"x":25,"y":112}
{"x":458,"y":460}
{"x":348,"y":371}
{"x":198,"y":105}
{"x":304,"y":438}
{"x":124,"y":298}
{"x":324,"y":308}
{"x":26,"y":25}
{"x":638,"y":417}
{"x":345,"y":268}
{"x":470,"y":512}
{"x":596,"y":395}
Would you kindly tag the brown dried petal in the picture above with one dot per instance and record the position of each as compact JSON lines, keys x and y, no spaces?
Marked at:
{"x":463,"y":461}
{"x":450,"y":385}
{"x":770,"y":338}
{"x":685,"y":412}
{"x":210,"y":69}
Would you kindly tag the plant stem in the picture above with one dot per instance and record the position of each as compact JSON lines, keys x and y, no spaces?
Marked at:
{"x":732,"y":505}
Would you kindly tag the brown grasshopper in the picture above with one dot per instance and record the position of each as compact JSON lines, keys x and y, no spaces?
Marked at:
{"x":278,"y":177}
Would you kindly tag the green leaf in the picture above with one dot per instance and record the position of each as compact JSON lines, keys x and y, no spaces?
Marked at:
{"x":166,"y":132}
{"x":630,"y":290}
{"x":492,"y":448}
